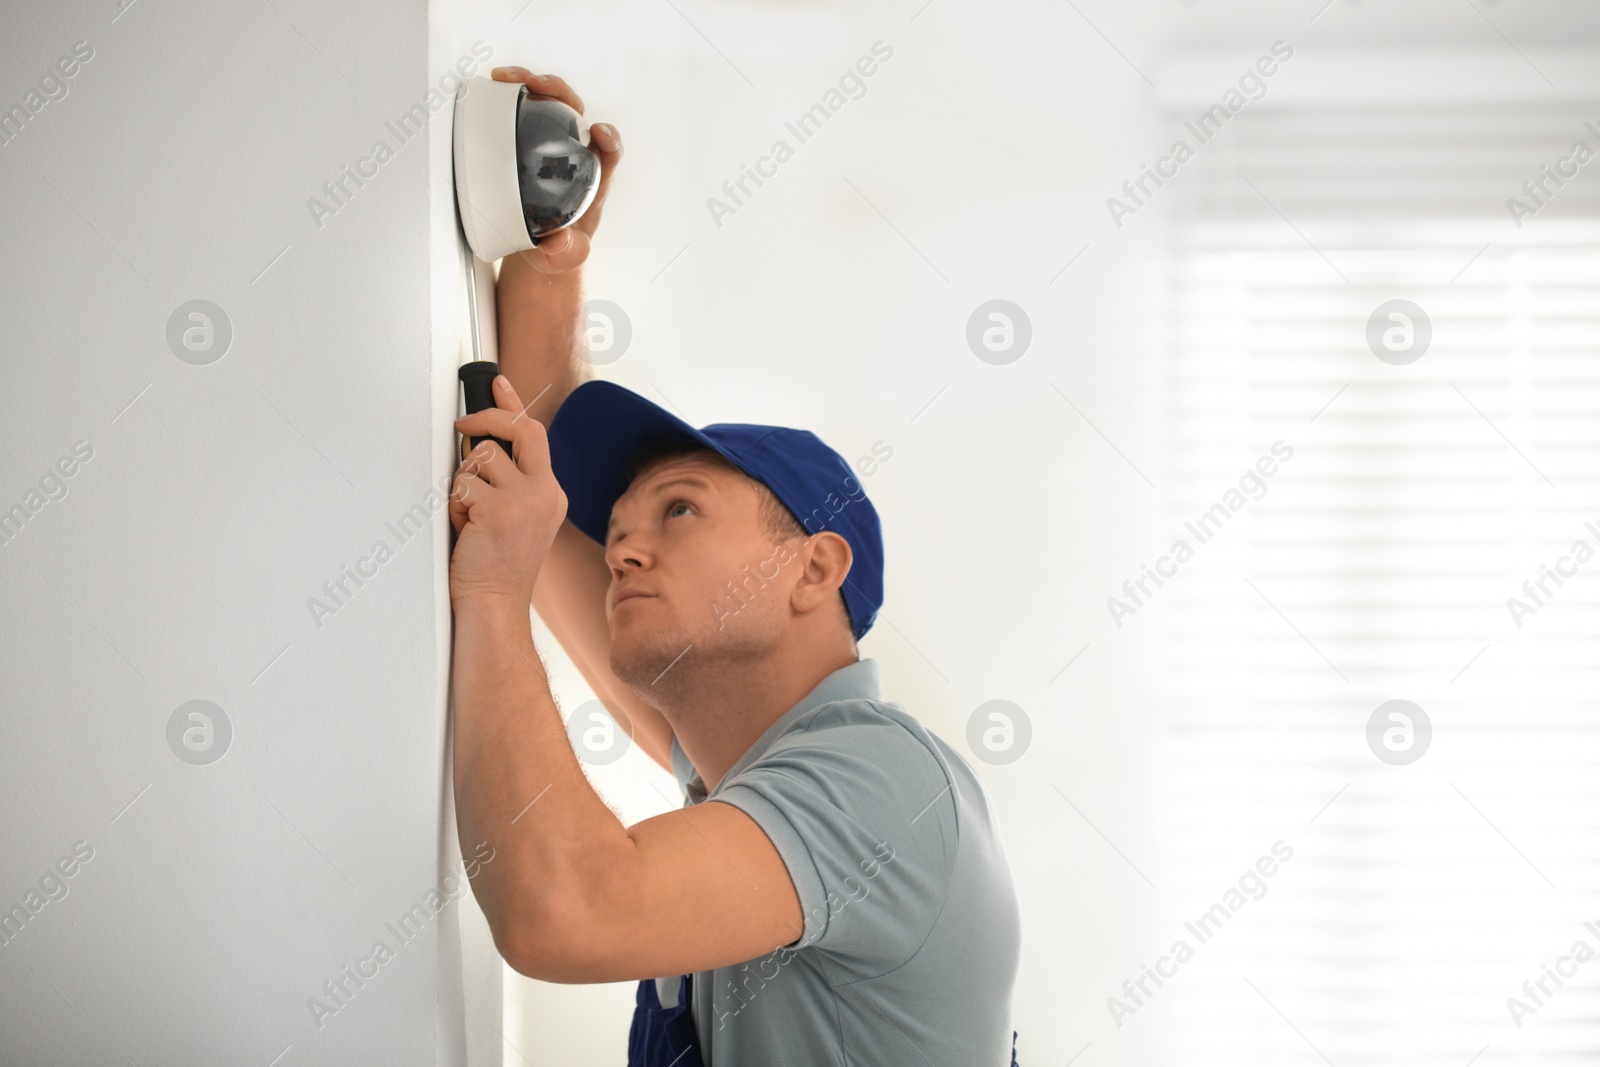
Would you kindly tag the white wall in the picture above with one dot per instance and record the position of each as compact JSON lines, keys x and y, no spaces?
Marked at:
{"x":219,"y":498}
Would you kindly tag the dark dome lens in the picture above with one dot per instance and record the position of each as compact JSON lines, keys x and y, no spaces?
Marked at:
{"x":556,"y":174}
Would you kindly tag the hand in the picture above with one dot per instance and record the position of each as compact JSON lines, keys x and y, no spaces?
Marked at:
{"x":505,"y":509}
{"x":567,"y":249}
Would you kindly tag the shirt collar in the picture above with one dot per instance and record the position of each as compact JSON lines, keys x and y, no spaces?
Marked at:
{"x":854,"y":681}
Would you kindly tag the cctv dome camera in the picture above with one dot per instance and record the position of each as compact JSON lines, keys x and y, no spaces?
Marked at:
{"x":521,"y":170}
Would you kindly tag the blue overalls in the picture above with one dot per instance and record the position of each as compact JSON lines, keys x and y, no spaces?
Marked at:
{"x":665,"y":1037}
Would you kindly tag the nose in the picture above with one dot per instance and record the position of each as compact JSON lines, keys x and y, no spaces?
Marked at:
{"x":627,"y":553}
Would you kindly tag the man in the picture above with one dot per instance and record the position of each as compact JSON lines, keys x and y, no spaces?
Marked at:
{"x":835,"y":885}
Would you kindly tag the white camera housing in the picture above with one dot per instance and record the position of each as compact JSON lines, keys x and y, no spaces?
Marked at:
{"x":523,"y":167}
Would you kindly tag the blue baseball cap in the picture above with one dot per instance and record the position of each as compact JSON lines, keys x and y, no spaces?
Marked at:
{"x":601,"y":425}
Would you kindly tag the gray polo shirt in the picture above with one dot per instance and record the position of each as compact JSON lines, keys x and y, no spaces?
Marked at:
{"x":912,"y":933}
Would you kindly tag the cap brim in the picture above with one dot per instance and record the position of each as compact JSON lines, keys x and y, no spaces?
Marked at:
{"x":592,"y":437}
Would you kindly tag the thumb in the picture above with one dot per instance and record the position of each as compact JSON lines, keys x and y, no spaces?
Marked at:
{"x":563,"y":250}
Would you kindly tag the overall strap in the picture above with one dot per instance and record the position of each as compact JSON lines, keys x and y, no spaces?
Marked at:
{"x":663,"y":1037}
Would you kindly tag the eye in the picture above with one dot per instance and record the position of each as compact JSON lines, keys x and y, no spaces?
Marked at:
{"x":676,"y":504}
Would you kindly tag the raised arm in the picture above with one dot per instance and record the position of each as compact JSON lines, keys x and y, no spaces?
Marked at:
{"x":542,"y":352}
{"x":570,"y":893}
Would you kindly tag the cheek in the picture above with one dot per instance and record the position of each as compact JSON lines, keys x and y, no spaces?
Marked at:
{"x":707,"y":572}
{"x":687,"y":569}
{"x":712,"y":568}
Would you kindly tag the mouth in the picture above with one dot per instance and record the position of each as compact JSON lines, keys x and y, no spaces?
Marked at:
{"x":623,"y":598}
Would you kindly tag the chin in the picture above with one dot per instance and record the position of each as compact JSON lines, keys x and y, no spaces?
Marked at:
{"x":640,"y":651}
{"x":642,"y":648}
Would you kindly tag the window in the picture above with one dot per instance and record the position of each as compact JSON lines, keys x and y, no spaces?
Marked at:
{"x":1376,"y":565}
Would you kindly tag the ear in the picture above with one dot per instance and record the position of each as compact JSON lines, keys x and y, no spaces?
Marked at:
{"x":824,"y":562}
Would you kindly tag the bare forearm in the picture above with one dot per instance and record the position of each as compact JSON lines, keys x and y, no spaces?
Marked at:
{"x":541,"y":339}
{"x":541,"y":351}
{"x":570,"y":597}
{"x":519,"y":787}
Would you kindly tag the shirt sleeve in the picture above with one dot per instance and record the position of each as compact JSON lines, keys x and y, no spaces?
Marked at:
{"x":862,"y":813}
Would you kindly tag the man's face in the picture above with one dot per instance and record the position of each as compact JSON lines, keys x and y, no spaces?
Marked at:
{"x":686,"y":528}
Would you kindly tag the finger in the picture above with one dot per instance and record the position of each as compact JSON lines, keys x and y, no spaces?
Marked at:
{"x":606,"y":143}
{"x":494,"y":421}
{"x":457,"y":500}
{"x":556,"y":87}
{"x":467,"y":493}
{"x":489,"y":465}
{"x":528,"y":436}
{"x":501,"y":422}
{"x":557,"y":252}
{"x":508,"y":420}
{"x":565,"y":249}
{"x":505,"y":396}
{"x":540,"y":85}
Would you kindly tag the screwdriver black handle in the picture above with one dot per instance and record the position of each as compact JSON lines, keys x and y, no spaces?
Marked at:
{"x":477,"y":390}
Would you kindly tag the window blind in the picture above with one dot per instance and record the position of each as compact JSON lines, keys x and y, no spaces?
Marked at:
{"x":1376,"y":564}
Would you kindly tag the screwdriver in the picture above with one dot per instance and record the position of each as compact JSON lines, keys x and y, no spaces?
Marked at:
{"x":477,"y":390}
{"x":478,"y":374}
